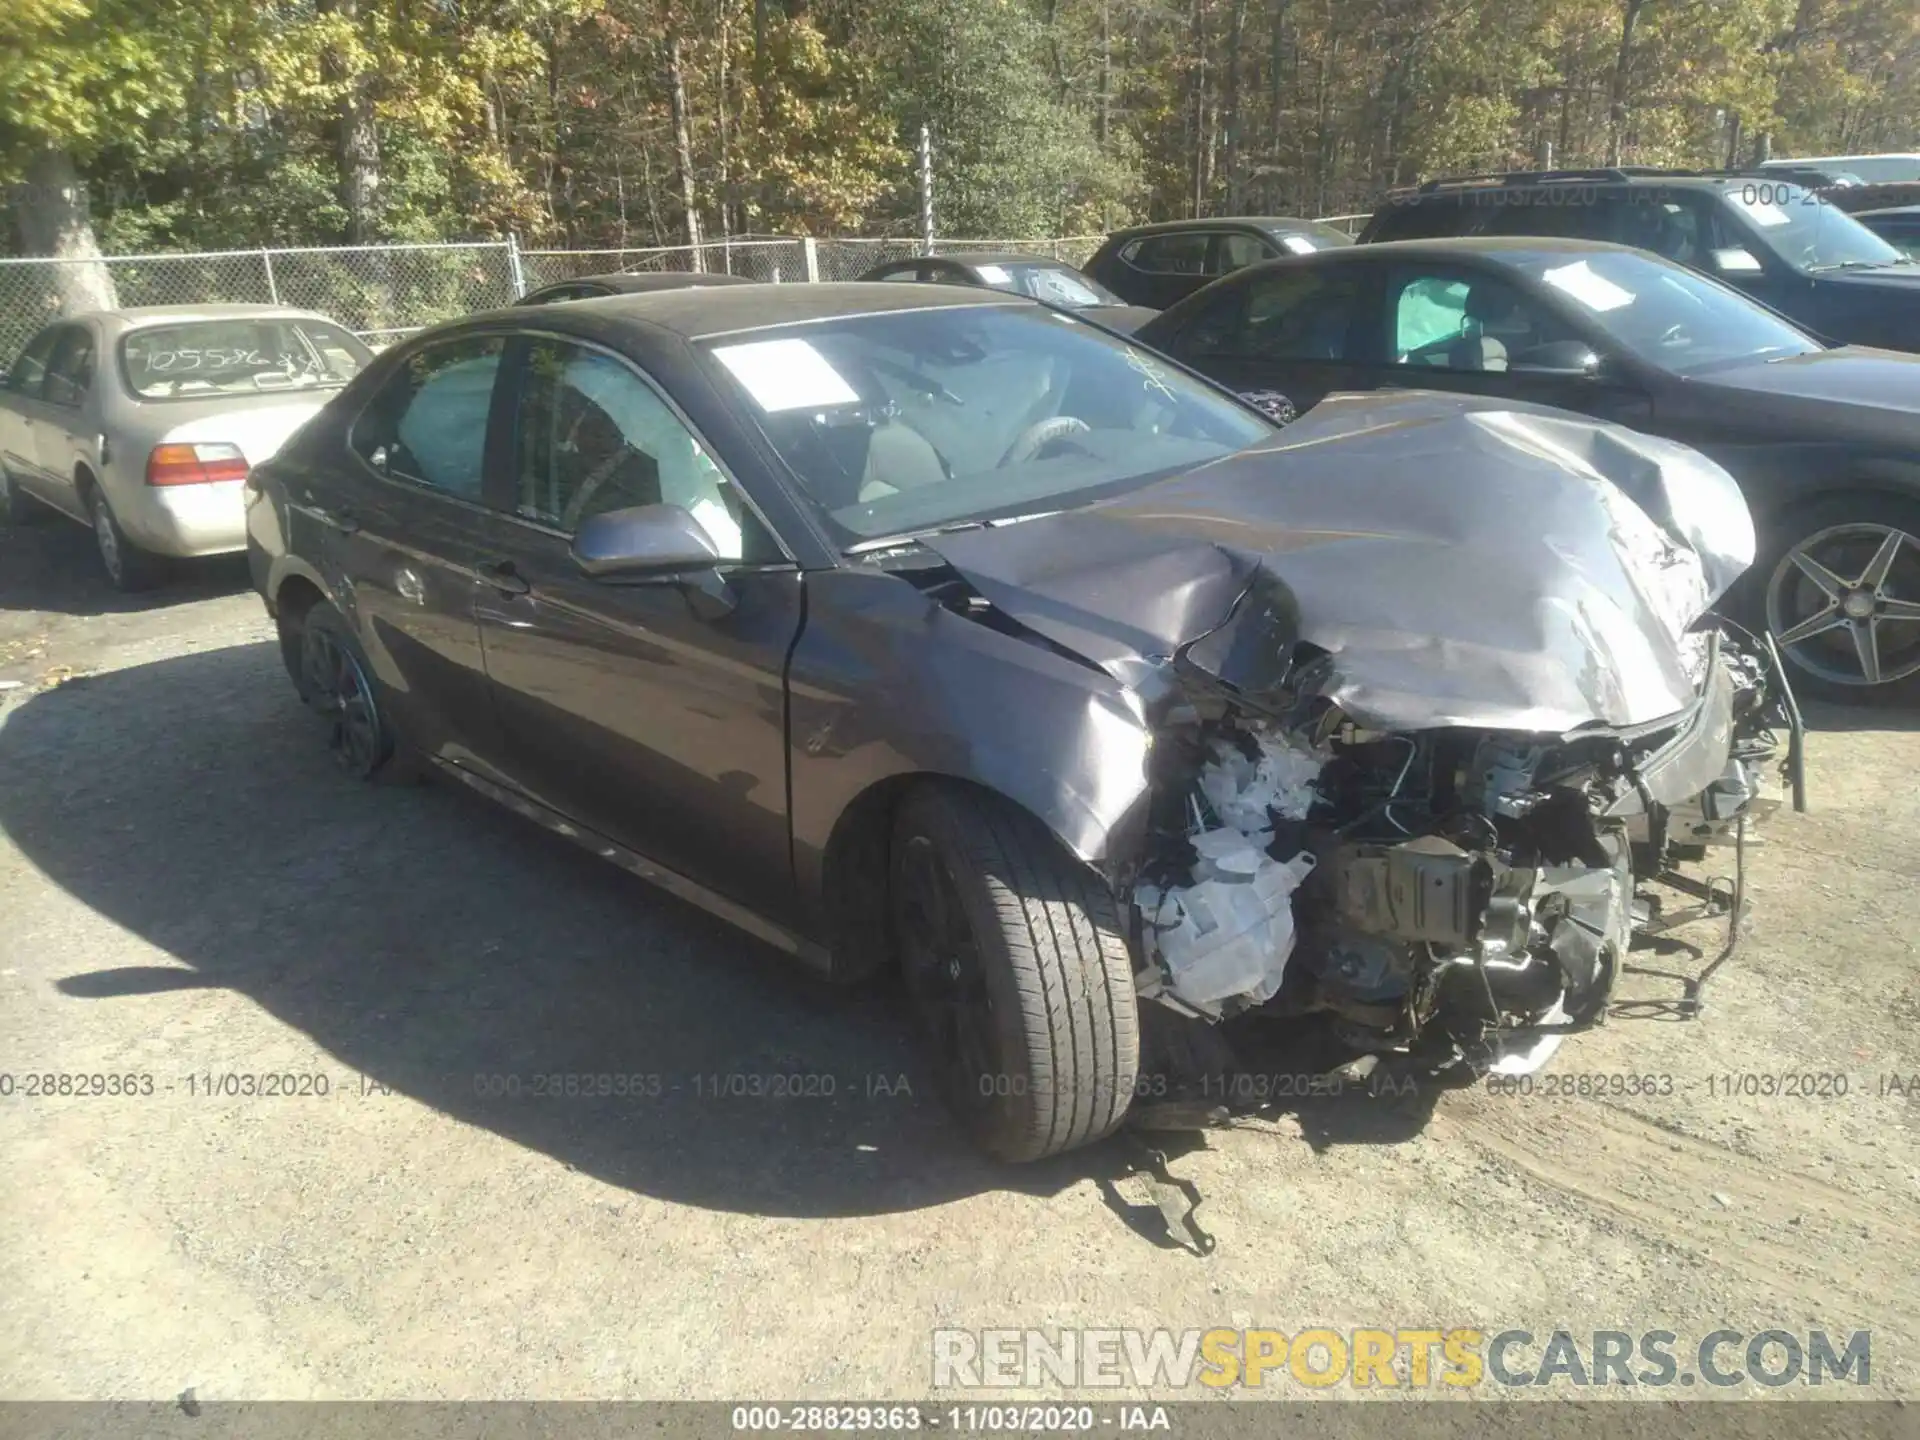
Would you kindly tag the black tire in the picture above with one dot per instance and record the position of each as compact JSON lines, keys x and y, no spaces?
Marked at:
{"x":1842,"y":535}
{"x":336,"y":682}
{"x":129,"y":569}
{"x":15,"y":507}
{"x":1017,"y":964}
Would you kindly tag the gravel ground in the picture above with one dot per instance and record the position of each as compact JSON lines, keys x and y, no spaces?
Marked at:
{"x":190,"y":890}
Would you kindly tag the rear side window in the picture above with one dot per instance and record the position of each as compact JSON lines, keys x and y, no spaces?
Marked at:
{"x":70,"y":370}
{"x":1575,"y":214}
{"x":1183,"y":252}
{"x":30,"y":369}
{"x":428,"y":423}
{"x":1422,"y":220}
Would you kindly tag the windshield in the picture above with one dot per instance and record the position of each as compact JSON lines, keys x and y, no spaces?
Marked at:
{"x":1303,"y":237}
{"x":1805,"y":231}
{"x":1674,"y":317}
{"x":1055,"y":284}
{"x":239,"y":357}
{"x":915,"y":420}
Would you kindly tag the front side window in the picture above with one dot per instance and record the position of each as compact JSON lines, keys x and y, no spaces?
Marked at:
{"x":591,"y":436}
{"x":899,"y":422}
{"x":245,"y":356}
{"x":29,"y":371}
{"x":1673,"y":317}
{"x":1236,"y":252}
{"x":70,"y":369}
{"x":1477,"y":323}
{"x":1184,"y":252}
{"x":428,"y":423}
{"x":1804,"y":230}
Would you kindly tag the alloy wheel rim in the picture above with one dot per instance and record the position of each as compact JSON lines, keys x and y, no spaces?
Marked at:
{"x":1844,"y":604}
{"x":341,"y":693}
{"x":104,"y":537}
{"x":944,"y":975}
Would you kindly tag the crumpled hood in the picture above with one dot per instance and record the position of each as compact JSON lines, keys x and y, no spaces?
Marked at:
{"x":1465,"y":562}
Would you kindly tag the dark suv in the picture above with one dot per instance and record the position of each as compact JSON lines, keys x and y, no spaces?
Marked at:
{"x":1157,"y":265}
{"x":1783,"y":244}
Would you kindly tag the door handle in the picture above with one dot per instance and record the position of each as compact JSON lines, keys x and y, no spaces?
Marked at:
{"x":503,"y":577}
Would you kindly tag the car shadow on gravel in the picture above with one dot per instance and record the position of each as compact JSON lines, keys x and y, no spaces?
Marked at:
{"x":50,"y":566}
{"x":438,"y":946}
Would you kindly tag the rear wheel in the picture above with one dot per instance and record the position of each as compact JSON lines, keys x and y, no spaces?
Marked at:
{"x":1018,"y":970}
{"x":129,"y":569}
{"x":336,"y":682}
{"x":1843,"y":598}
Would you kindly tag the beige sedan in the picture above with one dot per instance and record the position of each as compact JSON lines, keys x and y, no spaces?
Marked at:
{"x":144,"y":423}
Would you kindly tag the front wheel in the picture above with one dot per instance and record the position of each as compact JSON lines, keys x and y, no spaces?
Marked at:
{"x":1017,"y":966}
{"x":1842,"y":598}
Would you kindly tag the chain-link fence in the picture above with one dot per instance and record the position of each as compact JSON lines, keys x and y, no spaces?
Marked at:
{"x":382,"y":291}
{"x":777,"y":258}
{"x":374,"y":289}
{"x":850,"y":259}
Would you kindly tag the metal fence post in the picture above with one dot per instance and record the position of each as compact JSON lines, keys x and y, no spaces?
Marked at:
{"x":513,"y":266}
{"x":273,"y":290}
{"x":811,"y":253}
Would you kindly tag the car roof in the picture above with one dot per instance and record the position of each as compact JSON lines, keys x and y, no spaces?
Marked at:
{"x":1449,"y":187}
{"x":639,"y":282}
{"x":998,"y":257}
{"x":1266,"y":224}
{"x":1510,"y":249}
{"x":698,"y":313}
{"x":1902,"y":211}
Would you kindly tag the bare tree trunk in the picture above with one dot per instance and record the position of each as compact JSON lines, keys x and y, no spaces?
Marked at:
{"x":1617,"y":96}
{"x":683,"y":144}
{"x":1230,"y":117}
{"x":356,"y":144}
{"x":1276,"y":100}
{"x":722,"y":109}
{"x":51,"y":208}
{"x":1197,"y":110}
{"x":1106,"y":72}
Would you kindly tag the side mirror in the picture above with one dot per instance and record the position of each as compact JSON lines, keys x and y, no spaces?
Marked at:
{"x":1736,"y":260}
{"x":1568,"y":358}
{"x":654,"y":543}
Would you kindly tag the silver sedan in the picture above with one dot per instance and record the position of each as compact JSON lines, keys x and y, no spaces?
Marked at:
{"x":144,"y":423}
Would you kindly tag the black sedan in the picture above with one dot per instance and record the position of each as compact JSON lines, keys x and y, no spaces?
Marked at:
{"x":1156,"y":265}
{"x":627,"y":282}
{"x":926,"y":625}
{"x":1825,"y":441}
{"x":1053,"y":281}
{"x":1898,"y":225}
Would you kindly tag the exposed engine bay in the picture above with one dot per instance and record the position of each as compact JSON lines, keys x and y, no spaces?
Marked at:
{"x":1463,"y":897}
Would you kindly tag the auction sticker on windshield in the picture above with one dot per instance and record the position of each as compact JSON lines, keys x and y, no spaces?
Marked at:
{"x":1588,"y":286}
{"x":785,"y":375}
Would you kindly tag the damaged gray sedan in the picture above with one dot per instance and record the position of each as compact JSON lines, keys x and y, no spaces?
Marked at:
{"x":903,"y":624}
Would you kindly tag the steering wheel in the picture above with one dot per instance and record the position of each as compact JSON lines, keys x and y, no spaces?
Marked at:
{"x":1037,"y":436}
